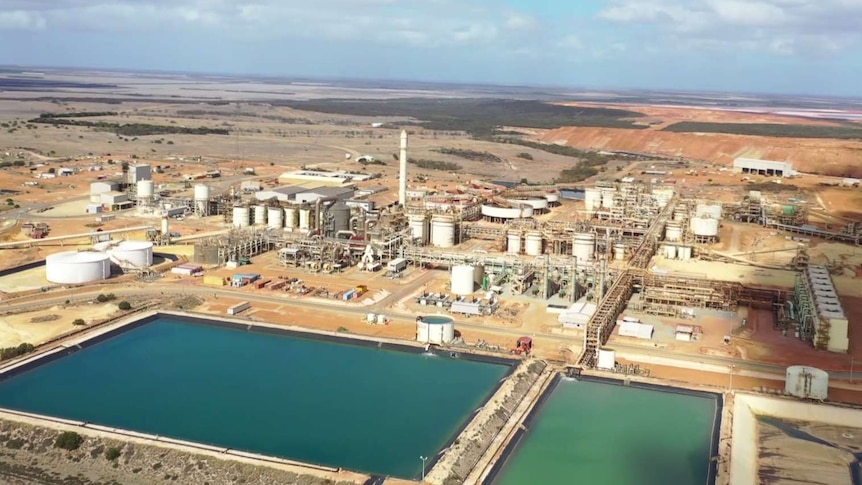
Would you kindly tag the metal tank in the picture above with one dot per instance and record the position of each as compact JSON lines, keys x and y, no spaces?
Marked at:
{"x":145,"y":189}
{"x":132,"y":254}
{"x":259,"y":215}
{"x":807,"y":382}
{"x":274,"y":218}
{"x":76,"y":267}
{"x":553,"y":198}
{"x":340,"y":215}
{"x":619,"y":251}
{"x":305,"y":218}
{"x":419,"y":227}
{"x":684,"y":253}
{"x":592,"y":200}
{"x":673,"y":232}
{"x":584,"y":246}
{"x":679,"y":215}
{"x":708,"y":210}
{"x":670,"y":252}
{"x":202,"y":197}
{"x":704,"y":226}
{"x":608,"y":198}
{"x":533,"y":243}
{"x":435,"y":330}
{"x":513,"y":242}
{"x":443,"y":231}
{"x":241,"y":216}
{"x":463,"y":280}
{"x":291,"y":218}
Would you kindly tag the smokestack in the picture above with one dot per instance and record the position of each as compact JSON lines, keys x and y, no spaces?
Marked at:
{"x":402,"y":176}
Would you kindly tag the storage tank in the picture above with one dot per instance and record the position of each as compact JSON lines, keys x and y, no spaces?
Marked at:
{"x":606,"y":359}
{"x":807,"y":382}
{"x":443,"y":231}
{"x":418,"y":224}
{"x":340,"y":216}
{"x":552,"y":198}
{"x":513,"y":242}
{"x":305,"y":219}
{"x":538,"y":205}
{"x":619,"y":251}
{"x":145,"y":189}
{"x":274,"y":218}
{"x":132,"y":254}
{"x":381,"y":319}
{"x":679,"y":215}
{"x":463,"y":280}
{"x":533,"y":243}
{"x":592,"y":200}
{"x":673,"y":232}
{"x":670,"y":252}
{"x":290,"y":218}
{"x":584,"y":246}
{"x":74,"y":267}
{"x":241,"y":216}
{"x":202,"y":197}
{"x":708,"y":210}
{"x":437,"y":330}
{"x":704,"y":226}
{"x":608,"y":199}
{"x":259,"y":215}
{"x":371,"y":318}
{"x":684,"y":253}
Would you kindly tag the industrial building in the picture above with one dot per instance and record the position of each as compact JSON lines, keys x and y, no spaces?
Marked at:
{"x":819,"y":310}
{"x":763,"y":167}
{"x":138,"y":172}
{"x":321,"y":177}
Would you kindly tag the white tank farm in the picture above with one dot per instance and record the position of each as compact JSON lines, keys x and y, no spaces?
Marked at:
{"x":274,"y":218}
{"x":513,"y":242}
{"x":592,"y":200}
{"x":708,"y":210}
{"x":533,"y":243}
{"x":552,"y":198}
{"x":807,"y":382}
{"x":145,"y":189}
{"x":704,"y":226}
{"x":520,"y":211}
{"x":619,"y":251}
{"x":536,"y":204}
{"x":291,"y":218}
{"x":419,"y":227}
{"x":132,"y":254}
{"x":443,"y":231}
{"x":202,"y":197}
{"x":437,"y":330}
{"x":241,"y":216}
{"x":259,"y":215}
{"x":673,"y":232}
{"x":463,"y":280}
{"x":584,"y":246}
{"x":76,"y":267}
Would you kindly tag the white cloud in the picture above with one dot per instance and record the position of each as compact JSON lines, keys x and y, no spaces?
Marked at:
{"x":570,"y":42}
{"x":521,"y":22}
{"x":784,"y":27}
{"x":21,"y":20}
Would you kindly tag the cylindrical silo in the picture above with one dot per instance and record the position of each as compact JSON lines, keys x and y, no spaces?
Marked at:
{"x":305,"y":218}
{"x":704,"y":226}
{"x":463,"y":280}
{"x":259,"y":215}
{"x":673,"y":232}
{"x":290,"y":218}
{"x":592,"y":200}
{"x":513,"y":242}
{"x":670,"y":251}
{"x":619,"y":251}
{"x":435,"y":330}
{"x":202,"y":198}
{"x":74,"y":267}
{"x":419,"y":227}
{"x":679,"y":215}
{"x":533,"y":243}
{"x":241,"y":216}
{"x":584,"y":246}
{"x":145,"y":192}
{"x":274,"y":218}
{"x":132,"y":254}
{"x":608,"y":198}
{"x":443,"y":231}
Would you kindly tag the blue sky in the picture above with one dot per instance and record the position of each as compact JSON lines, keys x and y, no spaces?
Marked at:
{"x":772,"y":46}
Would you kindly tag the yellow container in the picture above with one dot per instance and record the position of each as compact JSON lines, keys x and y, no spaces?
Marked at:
{"x":361,"y":289}
{"x":214,"y":280}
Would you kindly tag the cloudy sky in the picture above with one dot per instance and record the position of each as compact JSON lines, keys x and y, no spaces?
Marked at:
{"x":773,"y":46}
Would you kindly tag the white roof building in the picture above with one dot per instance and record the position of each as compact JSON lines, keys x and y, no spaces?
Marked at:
{"x":764,"y":167}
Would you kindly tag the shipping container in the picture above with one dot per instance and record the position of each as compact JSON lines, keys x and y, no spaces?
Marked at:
{"x":348,"y":294}
{"x":238,"y":308}
{"x":214,"y":280}
{"x":260,"y":284}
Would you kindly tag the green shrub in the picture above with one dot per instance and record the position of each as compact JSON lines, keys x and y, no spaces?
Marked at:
{"x":78,"y":321}
{"x":12,"y":352}
{"x":124,"y":305}
{"x":69,"y":440}
{"x":112,"y":453}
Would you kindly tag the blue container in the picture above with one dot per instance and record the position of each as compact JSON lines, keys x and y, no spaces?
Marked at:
{"x":348,"y":294}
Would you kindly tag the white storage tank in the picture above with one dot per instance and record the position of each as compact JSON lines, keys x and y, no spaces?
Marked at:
{"x":241,"y":216}
{"x":592,"y":200}
{"x":584,"y":246}
{"x":619,"y":251}
{"x":513,"y":242}
{"x":552,"y":198}
{"x":202,"y":197}
{"x":684,"y":253}
{"x":274,"y":218}
{"x":305,"y":219}
{"x":419,"y":227}
{"x":132,"y":254}
{"x":145,"y":189}
{"x":290,"y":218}
{"x":371,"y":318}
{"x":670,"y":252}
{"x":437,"y":330}
{"x":807,"y":382}
{"x":704,"y":226}
{"x":673,"y":232}
{"x":74,"y":267}
{"x":533,"y":243}
{"x":608,"y":198}
{"x":708,"y":210}
{"x":606,"y":359}
{"x":443,"y":231}
{"x":538,"y":205}
{"x":679,"y":215}
{"x":463,"y":280}
{"x":259,"y":215}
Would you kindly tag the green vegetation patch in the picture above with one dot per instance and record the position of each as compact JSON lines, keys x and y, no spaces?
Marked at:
{"x":435,"y":164}
{"x":466,"y":154}
{"x":12,"y":352}
{"x":768,"y":129}
{"x":125,"y":129}
{"x":479,"y":117}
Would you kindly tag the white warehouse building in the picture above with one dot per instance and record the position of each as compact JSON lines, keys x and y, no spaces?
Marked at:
{"x":764,"y":167}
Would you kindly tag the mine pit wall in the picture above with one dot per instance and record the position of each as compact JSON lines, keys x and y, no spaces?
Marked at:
{"x":461,"y":457}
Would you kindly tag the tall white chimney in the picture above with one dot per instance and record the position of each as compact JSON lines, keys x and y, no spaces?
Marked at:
{"x":402,"y":175}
